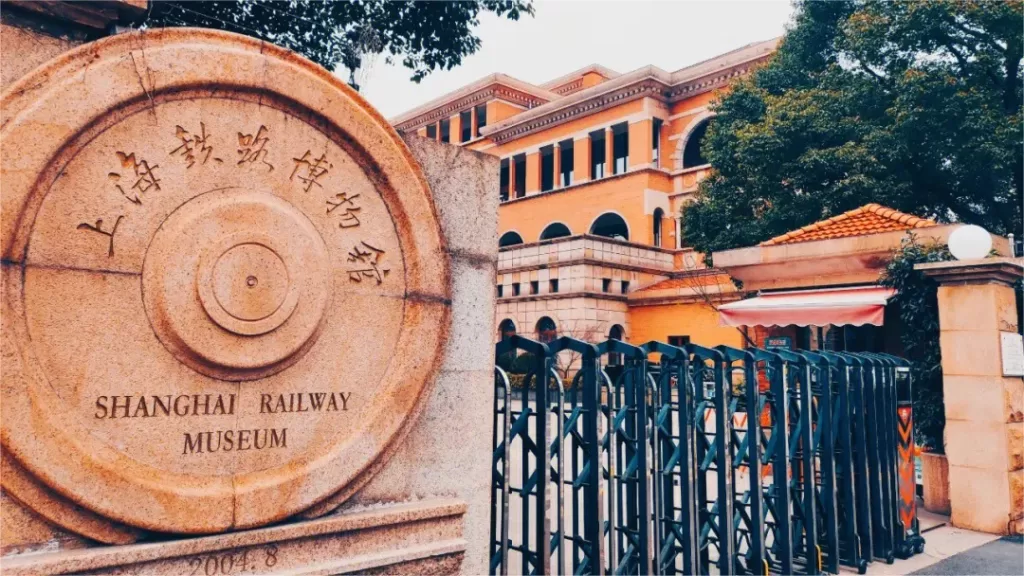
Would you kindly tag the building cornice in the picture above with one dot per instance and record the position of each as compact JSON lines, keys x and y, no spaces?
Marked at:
{"x":585,"y":261}
{"x":493,"y":87}
{"x":563,"y":98}
{"x":606,"y":97}
{"x":647,"y":82}
{"x":561,"y":296}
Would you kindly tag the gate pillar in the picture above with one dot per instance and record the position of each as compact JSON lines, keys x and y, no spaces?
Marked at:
{"x":984,"y":403}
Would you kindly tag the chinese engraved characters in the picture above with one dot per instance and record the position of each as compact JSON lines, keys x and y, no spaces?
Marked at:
{"x":252,"y":148}
{"x":136,"y":177}
{"x":349,"y":218}
{"x":145,"y":177}
{"x":194,"y":146}
{"x":312,"y":169}
{"x":98,"y":228}
{"x":367,"y":260}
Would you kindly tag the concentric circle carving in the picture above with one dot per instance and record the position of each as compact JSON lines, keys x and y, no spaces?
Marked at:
{"x":253,"y":259}
{"x":223,"y":300}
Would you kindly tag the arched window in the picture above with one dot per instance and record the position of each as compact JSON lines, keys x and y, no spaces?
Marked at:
{"x":692,"y":155}
{"x":555,"y":230}
{"x":610,"y":225}
{"x":546,"y":329}
{"x":616,"y":333}
{"x":506,"y":329}
{"x":659,"y":215}
{"x":509,"y":239}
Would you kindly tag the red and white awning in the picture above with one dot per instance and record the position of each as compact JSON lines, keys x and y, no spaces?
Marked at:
{"x":837,"y":306}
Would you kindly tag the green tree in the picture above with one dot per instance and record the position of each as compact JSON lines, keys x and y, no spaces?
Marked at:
{"x":424,"y":36}
{"x":914,"y":105}
{"x":917,"y":304}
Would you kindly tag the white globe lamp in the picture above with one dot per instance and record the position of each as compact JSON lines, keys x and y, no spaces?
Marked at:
{"x":970,"y":242}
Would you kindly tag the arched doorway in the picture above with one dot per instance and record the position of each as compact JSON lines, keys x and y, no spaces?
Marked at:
{"x":616,"y":333}
{"x":509,"y":239}
{"x":610,"y":225}
{"x":555,"y":230}
{"x":506,"y":329}
{"x":546,"y":329}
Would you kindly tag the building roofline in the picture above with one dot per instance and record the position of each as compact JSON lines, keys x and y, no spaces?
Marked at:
{"x":645,"y":81}
{"x":909,"y":221}
{"x":481,"y":84}
{"x":685,"y":82}
{"x":564,"y":78}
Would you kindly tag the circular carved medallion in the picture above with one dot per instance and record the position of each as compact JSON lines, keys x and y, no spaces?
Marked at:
{"x":223,"y":289}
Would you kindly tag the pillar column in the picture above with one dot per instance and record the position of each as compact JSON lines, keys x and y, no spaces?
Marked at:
{"x":511,"y":177}
{"x":532,"y":173}
{"x":679,"y":231}
{"x":455,"y":129}
{"x":473,"y":123}
{"x":581,"y":159}
{"x":984,"y":437}
{"x":609,"y":151}
{"x":556,"y":151}
{"x":640,"y":139}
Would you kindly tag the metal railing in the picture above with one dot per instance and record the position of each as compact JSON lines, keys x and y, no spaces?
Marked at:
{"x":693,"y":460}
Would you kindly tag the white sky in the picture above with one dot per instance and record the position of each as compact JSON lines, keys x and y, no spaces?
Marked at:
{"x":566,"y":35}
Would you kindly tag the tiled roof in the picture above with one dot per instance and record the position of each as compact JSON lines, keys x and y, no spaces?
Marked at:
{"x":689,"y":281}
{"x":868,"y":219}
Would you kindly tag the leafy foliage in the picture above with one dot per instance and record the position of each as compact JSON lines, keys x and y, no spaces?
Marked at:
{"x":917,"y":301}
{"x":425,"y":36}
{"x":914,"y":105}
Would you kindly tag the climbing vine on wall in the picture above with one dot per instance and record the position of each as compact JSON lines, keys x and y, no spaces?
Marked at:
{"x":917,"y":301}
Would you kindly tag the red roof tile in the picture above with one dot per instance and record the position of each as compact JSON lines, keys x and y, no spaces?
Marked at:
{"x":689,"y":281}
{"x":868,"y":219}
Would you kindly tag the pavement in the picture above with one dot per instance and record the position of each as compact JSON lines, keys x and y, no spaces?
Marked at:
{"x":1003,"y":556}
{"x":950,"y":550}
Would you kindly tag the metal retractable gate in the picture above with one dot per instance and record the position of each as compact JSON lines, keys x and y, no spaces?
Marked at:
{"x":693,"y":460}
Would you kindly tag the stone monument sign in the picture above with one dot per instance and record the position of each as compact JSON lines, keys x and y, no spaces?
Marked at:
{"x":226,"y":292}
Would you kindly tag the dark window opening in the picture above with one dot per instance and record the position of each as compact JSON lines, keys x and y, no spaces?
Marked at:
{"x":509,"y":239}
{"x":446,"y":130}
{"x":610,"y":225}
{"x":678,"y":341}
{"x":432,"y":131}
{"x":597,"y":150}
{"x":503,"y":179}
{"x":659,"y":215}
{"x":553,"y":285}
{"x":501,"y":290}
{"x":534,"y":287}
{"x":556,"y":230}
{"x":620,"y":148}
{"x":656,"y":142}
{"x":692,"y":154}
{"x":481,"y":118}
{"x":625,"y":286}
{"x":566,"y":162}
{"x":465,"y":126}
{"x":520,"y":175}
{"x":606,"y":284}
{"x":546,"y":330}
{"x":547,"y":168}
{"x":515,"y":289}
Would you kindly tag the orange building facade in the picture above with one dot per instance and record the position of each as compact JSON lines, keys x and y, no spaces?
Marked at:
{"x":596,"y":168}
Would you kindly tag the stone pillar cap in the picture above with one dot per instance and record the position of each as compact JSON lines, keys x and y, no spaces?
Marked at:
{"x":1003,"y":270}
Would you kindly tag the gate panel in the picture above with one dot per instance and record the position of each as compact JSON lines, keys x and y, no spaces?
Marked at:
{"x":690,"y":460}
